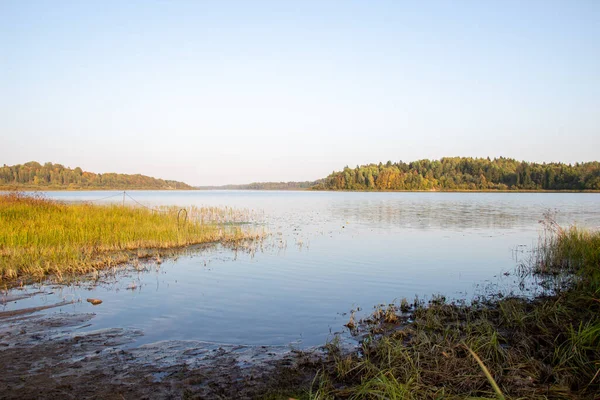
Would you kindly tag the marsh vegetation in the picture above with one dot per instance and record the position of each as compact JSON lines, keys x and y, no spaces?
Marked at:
{"x":41,"y":237}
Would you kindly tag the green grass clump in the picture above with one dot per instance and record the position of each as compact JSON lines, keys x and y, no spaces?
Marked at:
{"x":571,"y":251}
{"x":40,"y":237}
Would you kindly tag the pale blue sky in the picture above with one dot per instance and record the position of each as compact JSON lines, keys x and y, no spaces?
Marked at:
{"x":216,"y":92}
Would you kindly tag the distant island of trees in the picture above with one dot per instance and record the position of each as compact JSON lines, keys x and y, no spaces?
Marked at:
{"x":265,"y":186}
{"x":465,"y":173}
{"x":33,"y":175}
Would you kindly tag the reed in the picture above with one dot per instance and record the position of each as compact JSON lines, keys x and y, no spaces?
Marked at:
{"x":41,"y":237}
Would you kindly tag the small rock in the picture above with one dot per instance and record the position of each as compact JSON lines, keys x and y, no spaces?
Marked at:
{"x":94,"y":302}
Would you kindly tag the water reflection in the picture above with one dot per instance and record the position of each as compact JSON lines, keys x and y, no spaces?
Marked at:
{"x":467,"y":211}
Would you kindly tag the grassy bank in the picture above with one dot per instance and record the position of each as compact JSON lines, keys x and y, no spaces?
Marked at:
{"x":543,"y":348}
{"x":39,"y":237}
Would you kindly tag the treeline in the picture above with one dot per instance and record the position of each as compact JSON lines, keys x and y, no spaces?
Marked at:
{"x":33,"y":175}
{"x":265,"y":186}
{"x":462,"y":173}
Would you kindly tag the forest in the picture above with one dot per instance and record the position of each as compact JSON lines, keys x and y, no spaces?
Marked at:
{"x":33,"y":175}
{"x":465,"y":173}
{"x":265,"y":186}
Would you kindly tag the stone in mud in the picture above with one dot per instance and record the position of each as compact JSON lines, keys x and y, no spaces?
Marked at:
{"x":94,"y":302}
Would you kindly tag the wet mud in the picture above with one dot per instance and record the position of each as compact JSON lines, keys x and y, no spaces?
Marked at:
{"x":53,"y":357}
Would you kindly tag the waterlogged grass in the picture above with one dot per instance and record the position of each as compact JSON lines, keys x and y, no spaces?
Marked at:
{"x":514,"y":348}
{"x":571,"y":251}
{"x":40,"y":237}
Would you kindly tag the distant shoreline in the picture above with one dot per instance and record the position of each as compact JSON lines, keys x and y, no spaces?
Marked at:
{"x":67,"y":189}
{"x":58,"y":189}
{"x":461,"y":191}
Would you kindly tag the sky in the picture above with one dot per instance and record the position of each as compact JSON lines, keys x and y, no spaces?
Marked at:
{"x":225,"y":92}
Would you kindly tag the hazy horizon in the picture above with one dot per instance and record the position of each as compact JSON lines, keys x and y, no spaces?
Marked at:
{"x":216,"y":93}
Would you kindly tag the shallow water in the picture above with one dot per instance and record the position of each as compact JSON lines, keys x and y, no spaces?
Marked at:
{"x":328,"y":253}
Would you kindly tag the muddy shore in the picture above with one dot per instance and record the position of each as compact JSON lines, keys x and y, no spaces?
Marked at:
{"x":51,"y":357}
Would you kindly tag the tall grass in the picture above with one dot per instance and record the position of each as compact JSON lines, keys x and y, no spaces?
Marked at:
{"x":516,"y":348}
{"x":39,"y":237}
{"x":571,"y":251}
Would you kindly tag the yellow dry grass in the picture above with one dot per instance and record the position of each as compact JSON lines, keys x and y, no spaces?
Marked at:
{"x":40,"y":237}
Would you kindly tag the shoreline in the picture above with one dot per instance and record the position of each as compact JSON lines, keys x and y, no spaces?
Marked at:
{"x":411,"y":350}
{"x":29,"y":189}
{"x":9,"y":189}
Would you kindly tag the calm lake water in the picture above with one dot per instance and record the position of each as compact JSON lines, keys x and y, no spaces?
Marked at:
{"x":328,"y":253}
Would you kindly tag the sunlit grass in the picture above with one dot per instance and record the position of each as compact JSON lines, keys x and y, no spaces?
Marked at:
{"x":40,"y":237}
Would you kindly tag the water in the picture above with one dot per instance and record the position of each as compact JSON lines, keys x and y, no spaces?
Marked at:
{"x":328,"y":253}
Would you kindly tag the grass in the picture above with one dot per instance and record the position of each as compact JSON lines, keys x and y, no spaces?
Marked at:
{"x":509,"y":348}
{"x":41,"y":237}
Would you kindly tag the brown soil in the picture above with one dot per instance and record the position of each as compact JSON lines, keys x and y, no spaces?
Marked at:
{"x":51,"y":357}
